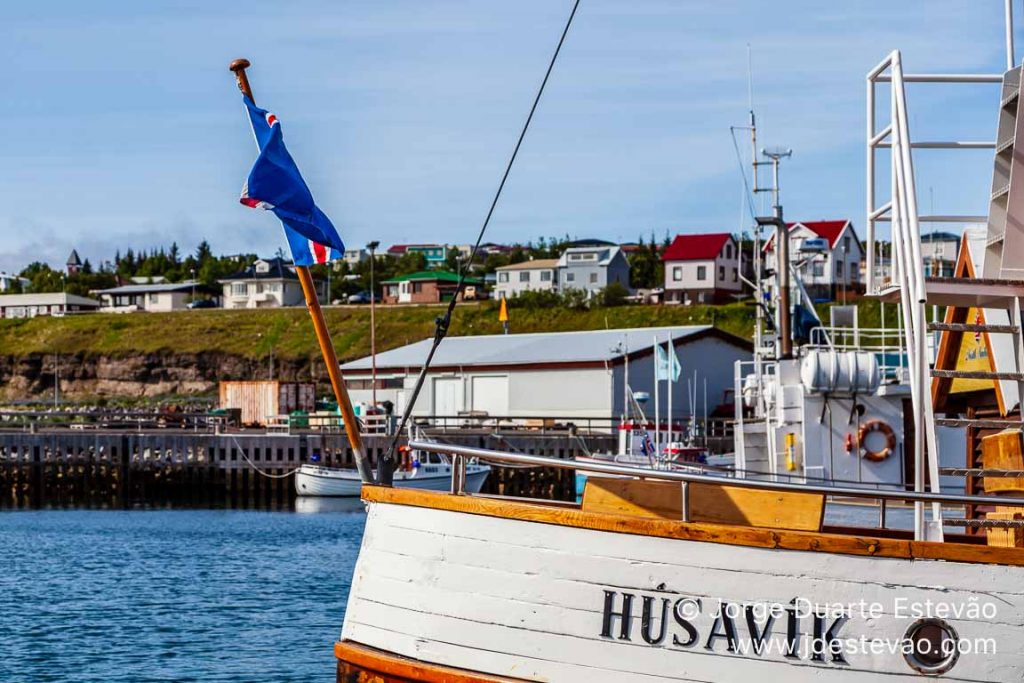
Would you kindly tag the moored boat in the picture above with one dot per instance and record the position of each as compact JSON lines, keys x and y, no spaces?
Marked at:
{"x":433,"y":475}
{"x":664,"y":574}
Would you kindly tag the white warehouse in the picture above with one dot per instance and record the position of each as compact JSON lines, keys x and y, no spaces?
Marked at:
{"x":571,"y":375}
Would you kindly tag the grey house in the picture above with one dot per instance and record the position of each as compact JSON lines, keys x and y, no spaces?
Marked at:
{"x":592,"y":268}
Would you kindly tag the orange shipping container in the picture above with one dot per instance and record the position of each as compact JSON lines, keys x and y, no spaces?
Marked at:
{"x":259,"y":401}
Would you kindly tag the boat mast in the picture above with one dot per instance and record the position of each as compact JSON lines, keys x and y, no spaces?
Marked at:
{"x":758,"y":296}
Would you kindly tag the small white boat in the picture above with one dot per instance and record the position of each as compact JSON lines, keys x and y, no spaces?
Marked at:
{"x":433,"y":473}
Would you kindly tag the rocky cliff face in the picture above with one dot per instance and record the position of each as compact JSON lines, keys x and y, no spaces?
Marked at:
{"x":137,"y":376}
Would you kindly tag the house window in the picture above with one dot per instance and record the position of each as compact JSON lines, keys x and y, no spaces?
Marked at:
{"x":846,"y":244}
{"x":238,"y":289}
{"x":593,"y":278}
{"x":502,"y":277}
{"x":524,"y":276}
{"x":153,"y":298}
{"x":545,"y":276}
{"x":854,"y":270}
{"x":702,"y":272}
{"x":735,"y":275}
{"x":677,"y":273}
{"x":569,"y":277}
{"x":817,"y":269}
{"x":839,"y":269}
{"x":721,"y":273}
{"x":728,"y":250}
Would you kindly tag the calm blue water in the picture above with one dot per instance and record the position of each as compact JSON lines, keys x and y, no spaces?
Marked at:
{"x":182,"y":595}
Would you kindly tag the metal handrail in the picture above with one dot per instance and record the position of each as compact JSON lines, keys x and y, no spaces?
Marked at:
{"x":484,"y":454}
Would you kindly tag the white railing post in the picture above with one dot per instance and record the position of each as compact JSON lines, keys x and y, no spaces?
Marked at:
{"x":907,"y":240}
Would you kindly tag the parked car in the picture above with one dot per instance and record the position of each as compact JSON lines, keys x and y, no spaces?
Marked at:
{"x":202,"y":303}
{"x":359,"y":298}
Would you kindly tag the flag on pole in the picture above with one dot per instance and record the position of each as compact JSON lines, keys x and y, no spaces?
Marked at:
{"x":666,"y":365}
{"x":275,"y":184}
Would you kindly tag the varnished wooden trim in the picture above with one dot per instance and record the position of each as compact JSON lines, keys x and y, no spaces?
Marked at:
{"x":358,"y":659}
{"x":840,"y":544}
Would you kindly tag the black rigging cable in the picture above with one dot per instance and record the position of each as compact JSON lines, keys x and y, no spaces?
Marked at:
{"x":386,"y":467}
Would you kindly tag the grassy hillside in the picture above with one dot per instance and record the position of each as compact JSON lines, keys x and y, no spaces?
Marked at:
{"x":252,"y":333}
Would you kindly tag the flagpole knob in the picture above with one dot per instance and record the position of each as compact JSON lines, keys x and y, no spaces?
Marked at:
{"x":239,"y":66}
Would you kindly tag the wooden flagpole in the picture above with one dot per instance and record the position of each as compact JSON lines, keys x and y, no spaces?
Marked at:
{"x":323,"y":335}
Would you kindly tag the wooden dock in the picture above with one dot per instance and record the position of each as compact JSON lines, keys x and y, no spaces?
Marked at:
{"x":244,"y":469}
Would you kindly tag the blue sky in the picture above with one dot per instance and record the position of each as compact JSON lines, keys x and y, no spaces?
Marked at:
{"x":123,"y":127}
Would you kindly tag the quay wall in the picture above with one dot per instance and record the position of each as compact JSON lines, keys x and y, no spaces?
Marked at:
{"x":168,"y":467}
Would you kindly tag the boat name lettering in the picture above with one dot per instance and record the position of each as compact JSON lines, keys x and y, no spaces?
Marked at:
{"x":761,"y":629}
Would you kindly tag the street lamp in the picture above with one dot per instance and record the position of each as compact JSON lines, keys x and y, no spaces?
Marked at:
{"x":192,"y":271}
{"x":372,"y":246}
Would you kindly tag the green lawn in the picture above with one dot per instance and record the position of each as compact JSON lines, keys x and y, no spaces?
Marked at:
{"x":252,"y":333}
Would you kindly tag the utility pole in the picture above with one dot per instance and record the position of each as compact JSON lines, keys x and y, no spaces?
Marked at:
{"x":372,"y":246}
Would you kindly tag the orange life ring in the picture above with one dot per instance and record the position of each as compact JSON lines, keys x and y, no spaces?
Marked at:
{"x":890,"y":440}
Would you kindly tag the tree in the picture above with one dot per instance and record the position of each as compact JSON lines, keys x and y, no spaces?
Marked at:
{"x":645,"y":269}
{"x":453,"y":260}
{"x":615,"y":294}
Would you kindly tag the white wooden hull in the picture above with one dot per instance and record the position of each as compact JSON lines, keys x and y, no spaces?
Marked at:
{"x":527,"y":600}
{"x":311,"y":480}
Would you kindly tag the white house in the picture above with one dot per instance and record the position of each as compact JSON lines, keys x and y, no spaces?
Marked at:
{"x":702,"y":269}
{"x":592,"y":268}
{"x":939,"y":251}
{"x":529,"y":276}
{"x":158,"y":297}
{"x":9,"y":281}
{"x":51,"y":303}
{"x":267,"y":283}
{"x":567,"y":375}
{"x":827,"y":255}
{"x":353,"y":257}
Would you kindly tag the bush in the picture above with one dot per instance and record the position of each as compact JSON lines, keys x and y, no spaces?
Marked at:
{"x":537,"y":299}
{"x":614,"y":294}
{"x":576,"y":299}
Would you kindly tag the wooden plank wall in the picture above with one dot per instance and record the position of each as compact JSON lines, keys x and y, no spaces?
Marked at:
{"x":180,"y":468}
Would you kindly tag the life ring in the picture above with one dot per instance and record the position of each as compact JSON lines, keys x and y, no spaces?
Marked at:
{"x":890,"y":440}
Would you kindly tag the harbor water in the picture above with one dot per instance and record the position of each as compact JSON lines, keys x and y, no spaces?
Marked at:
{"x":174,"y":595}
{"x":189,"y":595}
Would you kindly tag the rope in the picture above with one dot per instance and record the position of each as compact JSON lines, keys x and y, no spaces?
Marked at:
{"x":257,"y":469}
{"x":442,"y":323}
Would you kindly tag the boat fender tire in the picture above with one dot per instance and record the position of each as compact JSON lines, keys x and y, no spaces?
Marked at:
{"x":870,"y":427}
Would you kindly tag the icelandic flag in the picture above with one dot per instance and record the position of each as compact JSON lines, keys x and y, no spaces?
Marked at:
{"x":275,"y":184}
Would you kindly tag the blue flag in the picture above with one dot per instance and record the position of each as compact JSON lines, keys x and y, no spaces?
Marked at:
{"x":275,"y":184}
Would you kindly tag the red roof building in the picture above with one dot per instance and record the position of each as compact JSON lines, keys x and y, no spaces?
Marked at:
{"x":702,"y":269}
